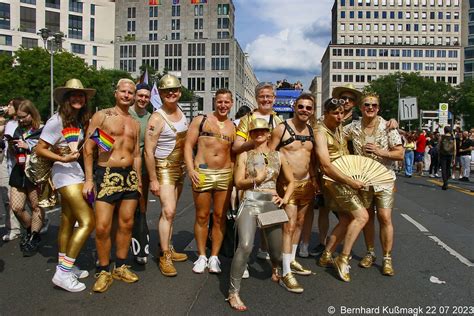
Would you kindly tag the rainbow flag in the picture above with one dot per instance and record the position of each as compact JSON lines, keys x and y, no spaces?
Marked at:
{"x":102,"y":139}
{"x":154,"y":2}
{"x":198,"y":1}
{"x":71,"y":134}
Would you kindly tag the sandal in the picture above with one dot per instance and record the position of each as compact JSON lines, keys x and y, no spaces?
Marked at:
{"x":275,"y":275}
{"x":236,"y":303}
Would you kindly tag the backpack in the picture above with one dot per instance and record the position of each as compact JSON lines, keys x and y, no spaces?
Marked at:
{"x":446,"y":146}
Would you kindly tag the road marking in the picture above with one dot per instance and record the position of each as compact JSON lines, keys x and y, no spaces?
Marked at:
{"x":418,"y":225}
{"x":462,"y":190}
{"x":450,"y":250}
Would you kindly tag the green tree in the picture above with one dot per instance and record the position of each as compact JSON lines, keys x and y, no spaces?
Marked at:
{"x":428,"y":93}
{"x":464,"y":103}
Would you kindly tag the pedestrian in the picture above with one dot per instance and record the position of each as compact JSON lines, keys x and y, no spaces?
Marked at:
{"x":447,"y":155}
{"x":420,"y":151}
{"x":409,"y":145}
{"x":456,"y":165}
{"x":465,"y":149}
{"x":371,"y":139}
{"x":22,"y":188}
{"x":139,"y":112}
{"x":434,"y":153}
{"x":210,"y":171}
{"x":117,"y":182}
{"x":256,"y":171}
{"x":342,"y":195}
{"x":164,"y":157}
{"x":68,"y":178}
{"x":294,"y":139}
{"x":8,"y":126}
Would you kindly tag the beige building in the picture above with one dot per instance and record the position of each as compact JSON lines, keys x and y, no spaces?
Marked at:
{"x":86,"y":26}
{"x":372,"y":38}
{"x":195,"y":42}
{"x":316,"y":89}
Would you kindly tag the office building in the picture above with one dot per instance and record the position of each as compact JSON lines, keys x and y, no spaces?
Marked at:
{"x":191,"y":39}
{"x":87,"y":27}
{"x":468,"y":38}
{"x":372,"y":38}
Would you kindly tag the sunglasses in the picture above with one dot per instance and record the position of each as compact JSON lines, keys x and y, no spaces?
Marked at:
{"x":172,"y":90}
{"x":22,"y":117}
{"x":346,"y":98}
{"x":307,"y":108}
{"x":337,"y":101}
{"x":374,"y":105}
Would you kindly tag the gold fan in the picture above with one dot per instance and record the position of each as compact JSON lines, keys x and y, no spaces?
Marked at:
{"x":364,"y":169}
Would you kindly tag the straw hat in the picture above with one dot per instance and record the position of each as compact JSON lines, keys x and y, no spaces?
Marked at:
{"x":258,"y":123}
{"x":71,"y":85}
{"x":337,"y":91}
{"x":169,"y":82}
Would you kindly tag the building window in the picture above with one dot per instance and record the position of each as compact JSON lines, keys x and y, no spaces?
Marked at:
{"x":222,"y":9}
{"x":348,"y":65}
{"x":348,"y":78}
{"x":196,"y":84}
{"x":92,"y":30}
{"x":196,"y":64}
{"x":198,"y":24}
{"x":360,"y":65}
{"x":52,"y":21}
{"x":175,"y":36}
{"x":94,"y":50}
{"x":336,"y":65}
{"x":220,"y":63}
{"x":78,"y":48}
{"x":27,"y":19}
{"x":197,"y":49}
{"x":337,"y":52}
{"x":131,"y":26}
{"x":28,"y":1}
{"x":150,"y":55}
{"x":175,"y":24}
{"x":175,"y":10}
{"x":198,"y":10}
{"x":173,"y":64}
{"x":153,"y":12}
{"x":75,"y":6}
{"x":220,"y":49}
{"x":4,"y":16}
{"x":219,"y":83}
{"x":153,"y":25}
{"x":128,"y":54}
{"x":223,"y":23}
{"x":360,"y":52}
{"x":406,"y":66}
{"x":371,"y":52}
{"x":173,"y":50}
{"x":348,"y":52}
{"x":5,"y":40}
{"x":75,"y":27}
{"x":55,"y":4}
{"x":132,"y":13}
{"x":29,"y":42}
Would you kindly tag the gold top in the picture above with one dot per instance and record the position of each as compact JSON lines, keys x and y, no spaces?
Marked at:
{"x":337,"y":144}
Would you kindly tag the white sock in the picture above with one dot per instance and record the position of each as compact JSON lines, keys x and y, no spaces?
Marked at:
{"x":293,"y":251}
{"x":286,"y":263}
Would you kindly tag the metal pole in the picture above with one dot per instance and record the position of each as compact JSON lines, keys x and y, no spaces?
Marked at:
{"x":52,"y":78}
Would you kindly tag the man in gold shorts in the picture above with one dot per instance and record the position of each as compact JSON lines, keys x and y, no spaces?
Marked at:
{"x":295,"y":140}
{"x":164,"y":158}
{"x":371,"y":138}
{"x":118,"y":177}
{"x":210,"y":172}
{"x":341,"y":194}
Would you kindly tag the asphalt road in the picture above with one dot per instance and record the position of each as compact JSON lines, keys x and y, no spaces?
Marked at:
{"x":433,"y":258}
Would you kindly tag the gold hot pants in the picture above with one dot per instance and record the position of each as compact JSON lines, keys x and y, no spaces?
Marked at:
{"x":213,"y":180}
{"x":169,"y":171}
{"x":341,"y":198}
{"x":303,"y":194}
{"x":381,"y":199}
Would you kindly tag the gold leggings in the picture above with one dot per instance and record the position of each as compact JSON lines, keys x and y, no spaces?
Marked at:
{"x":74,"y":208}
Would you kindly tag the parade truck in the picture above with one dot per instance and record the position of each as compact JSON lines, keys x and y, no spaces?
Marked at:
{"x":284,"y":102}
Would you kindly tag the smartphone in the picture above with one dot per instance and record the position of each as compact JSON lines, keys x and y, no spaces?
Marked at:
{"x":91,"y":198}
{"x":203,"y":166}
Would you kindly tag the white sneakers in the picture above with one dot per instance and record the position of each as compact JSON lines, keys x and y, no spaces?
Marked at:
{"x":213,"y":264}
{"x":80,"y":274}
{"x":200,"y":265}
{"x":263,"y":255}
{"x":246,"y":273}
{"x":67,"y":281}
{"x":303,"y":253}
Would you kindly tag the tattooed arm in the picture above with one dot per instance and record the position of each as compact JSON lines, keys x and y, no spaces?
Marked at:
{"x":152,"y":134}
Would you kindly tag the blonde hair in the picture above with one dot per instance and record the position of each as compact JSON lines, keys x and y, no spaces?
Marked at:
{"x":123,"y":81}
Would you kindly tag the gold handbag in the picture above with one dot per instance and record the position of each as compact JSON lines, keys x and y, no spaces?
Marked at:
{"x":38,"y":169}
{"x":271,"y":218}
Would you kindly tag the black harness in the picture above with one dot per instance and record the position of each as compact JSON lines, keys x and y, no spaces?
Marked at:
{"x":294,"y":136}
{"x":211,"y":134}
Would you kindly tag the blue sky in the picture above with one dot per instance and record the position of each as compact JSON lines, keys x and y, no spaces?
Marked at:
{"x":284,"y":38}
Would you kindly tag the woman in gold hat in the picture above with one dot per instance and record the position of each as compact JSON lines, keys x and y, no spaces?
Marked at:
{"x":256,"y":172}
{"x":68,"y":178}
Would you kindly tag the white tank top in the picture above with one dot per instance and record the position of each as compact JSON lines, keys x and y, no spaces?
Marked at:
{"x":167,"y":139}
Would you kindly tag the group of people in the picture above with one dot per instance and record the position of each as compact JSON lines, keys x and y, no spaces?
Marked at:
{"x":124,"y":151}
{"x":450,"y":151}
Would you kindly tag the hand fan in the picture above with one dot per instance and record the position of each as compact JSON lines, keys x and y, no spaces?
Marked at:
{"x":71,"y":134}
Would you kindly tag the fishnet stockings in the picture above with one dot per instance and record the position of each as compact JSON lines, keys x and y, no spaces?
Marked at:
{"x":18,"y":201}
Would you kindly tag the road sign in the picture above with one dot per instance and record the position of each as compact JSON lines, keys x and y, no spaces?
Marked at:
{"x":408,"y":108}
{"x":443,"y":114}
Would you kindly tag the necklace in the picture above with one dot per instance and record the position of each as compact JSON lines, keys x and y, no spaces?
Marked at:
{"x":221,"y":124}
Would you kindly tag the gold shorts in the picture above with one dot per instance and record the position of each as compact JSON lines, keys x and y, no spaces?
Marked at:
{"x":214,"y":180}
{"x":303,"y":194}
{"x":340,"y":197}
{"x":381,"y":199}
{"x":169,"y":172}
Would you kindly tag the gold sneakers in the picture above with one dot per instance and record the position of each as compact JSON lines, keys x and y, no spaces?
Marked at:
{"x":125,"y":274}
{"x":290,"y":284}
{"x":342,"y":265}
{"x":368,"y":260}
{"x":166,"y":264}
{"x":326,"y":260}
{"x":297,"y":268}
{"x":387,"y":267}
{"x":176,"y":256}
{"x":104,"y":280}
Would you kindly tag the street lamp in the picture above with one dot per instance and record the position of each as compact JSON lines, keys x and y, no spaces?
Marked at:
{"x":400,"y":81}
{"x":55,"y":40}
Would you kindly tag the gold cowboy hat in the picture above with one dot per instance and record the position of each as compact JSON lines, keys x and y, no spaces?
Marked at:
{"x":337,"y":91}
{"x":258,"y":123}
{"x":169,"y":82}
{"x":71,"y":85}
